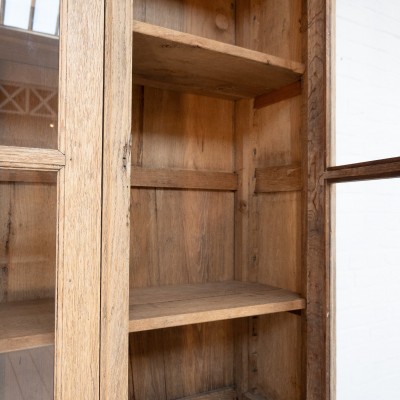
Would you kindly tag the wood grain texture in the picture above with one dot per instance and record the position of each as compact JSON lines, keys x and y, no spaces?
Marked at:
{"x":244,"y":143}
{"x":213,"y":20}
{"x":274,"y":26}
{"x":253,"y":396}
{"x":20,"y":175}
{"x":316,"y":199}
{"x":276,"y":227}
{"x":116,"y":201}
{"x":180,"y":236}
{"x":45,"y":159}
{"x":174,"y":60}
{"x":278,"y":179}
{"x":77,"y":369}
{"x":201,"y":138}
{"x":376,"y":169}
{"x":287,"y":92}
{"x":26,"y":324}
{"x":28,"y":221}
{"x":162,"y":307}
{"x":219,"y":394}
{"x":159,"y":356}
{"x":184,"y":179}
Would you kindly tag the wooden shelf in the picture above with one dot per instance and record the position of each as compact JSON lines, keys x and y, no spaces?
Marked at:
{"x":26,"y":324}
{"x":175,"y":60}
{"x":168,"y":306}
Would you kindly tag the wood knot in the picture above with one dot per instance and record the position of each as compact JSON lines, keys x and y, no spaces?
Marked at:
{"x":222,"y":22}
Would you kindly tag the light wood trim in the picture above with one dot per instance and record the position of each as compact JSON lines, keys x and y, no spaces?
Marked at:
{"x":116,"y":201}
{"x":168,"y":306}
{"x":77,"y":351}
{"x":287,"y":92}
{"x":377,"y":169}
{"x":31,"y":158}
{"x":26,"y":325}
{"x":315,"y":321}
{"x":279,"y":179}
{"x":184,"y":179}
{"x":172,"y":59}
{"x":219,"y":394}
{"x":20,"y":175}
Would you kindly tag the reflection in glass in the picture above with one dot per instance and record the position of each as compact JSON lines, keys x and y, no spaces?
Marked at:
{"x":27,"y":374}
{"x":28,"y":223}
{"x":367,"y":290}
{"x":29,"y":57}
{"x":367,"y":80}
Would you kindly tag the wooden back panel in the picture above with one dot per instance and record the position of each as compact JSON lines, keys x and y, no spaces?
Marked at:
{"x":180,"y":236}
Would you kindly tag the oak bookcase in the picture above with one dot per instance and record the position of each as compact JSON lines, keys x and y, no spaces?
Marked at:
{"x":174,"y":257}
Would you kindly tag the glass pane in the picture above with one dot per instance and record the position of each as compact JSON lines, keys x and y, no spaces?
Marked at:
{"x":29,"y":73}
{"x":28,"y":223}
{"x":367,"y":80}
{"x":367,"y":290}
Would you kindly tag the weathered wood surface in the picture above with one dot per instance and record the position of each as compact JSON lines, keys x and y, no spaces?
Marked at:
{"x":376,"y":169}
{"x":168,"y":306}
{"x":26,"y":324}
{"x":184,"y":179}
{"x":278,"y":179}
{"x":77,"y":367}
{"x":116,"y":200}
{"x":287,"y":92}
{"x":174,"y":60}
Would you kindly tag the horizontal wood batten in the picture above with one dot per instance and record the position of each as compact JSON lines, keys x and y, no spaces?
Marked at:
{"x":19,"y":175}
{"x":184,"y":179}
{"x":278,"y":179}
{"x":219,"y":394}
{"x":31,"y":158}
{"x":276,"y":96}
{"x":176,"y":60}
{"x":169,"y":306}
{"x":377,"y":169}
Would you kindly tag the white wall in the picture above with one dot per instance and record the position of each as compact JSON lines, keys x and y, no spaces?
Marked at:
{"x":368,"y":213}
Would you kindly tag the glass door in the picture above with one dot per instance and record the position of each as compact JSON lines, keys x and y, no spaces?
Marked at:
{"x":29,"y":76}
{"x":51,"y":86}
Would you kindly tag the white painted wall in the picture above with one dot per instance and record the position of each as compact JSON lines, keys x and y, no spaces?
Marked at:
{"x":368,"y":213}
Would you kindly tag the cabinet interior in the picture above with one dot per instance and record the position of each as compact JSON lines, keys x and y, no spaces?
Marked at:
{"x":216,"y":204}
{"x":216,"y":214}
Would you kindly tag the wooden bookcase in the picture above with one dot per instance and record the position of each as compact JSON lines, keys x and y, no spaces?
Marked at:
{"x":216,"y":220}
{"x":189,"y":236}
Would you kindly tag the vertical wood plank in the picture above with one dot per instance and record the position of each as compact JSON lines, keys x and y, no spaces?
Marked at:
{"x":315,"y":195}
{"x":116,"y":200}
{"x":78,"y":274}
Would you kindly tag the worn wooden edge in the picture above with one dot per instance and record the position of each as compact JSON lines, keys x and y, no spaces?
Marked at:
{"x":184,"y":179}
{"x":26,"y":324}
{"x":279,"y":179}
{"x":179,"y":305}
{"x":211,"y":316}
{"x":315,"y":271}
{"x":27,"y":176}
{"x":114,"y":346}
{"x":287,"y":92}
{"x":27,"y":342}
{"x":218,"y":394}
{"x":77,"y":350}
{"x":215,"y":46}
{"x":31,"y":158}
{"x":376,"y":169}
{"x":253,"y":396}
